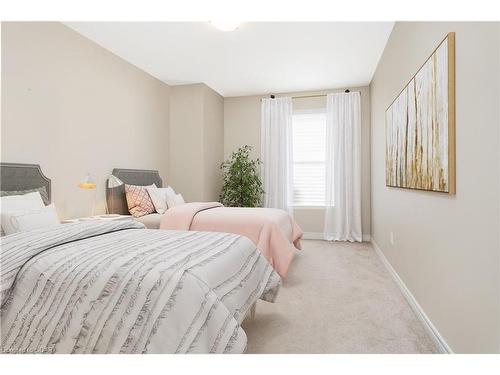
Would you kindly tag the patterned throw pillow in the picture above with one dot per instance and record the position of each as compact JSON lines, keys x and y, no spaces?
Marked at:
{"x":138,"y":200}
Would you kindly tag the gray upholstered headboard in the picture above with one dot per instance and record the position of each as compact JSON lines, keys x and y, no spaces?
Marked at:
{"x":115,"y":197}
{"x":14,"y":176}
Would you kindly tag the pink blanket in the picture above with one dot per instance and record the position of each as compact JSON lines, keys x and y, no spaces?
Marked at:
{"x":273,"y":231}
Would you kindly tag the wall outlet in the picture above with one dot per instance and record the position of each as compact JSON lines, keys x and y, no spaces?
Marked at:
{"x":391,"y":238}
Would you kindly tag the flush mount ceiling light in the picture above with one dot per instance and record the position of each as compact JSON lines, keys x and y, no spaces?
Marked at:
{"x":225,"y":25}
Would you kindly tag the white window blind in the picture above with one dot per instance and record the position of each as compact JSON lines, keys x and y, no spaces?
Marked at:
{"x":309,"y":151}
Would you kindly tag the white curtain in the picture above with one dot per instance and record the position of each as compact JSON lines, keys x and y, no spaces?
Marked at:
{"x":276,"y":153}
{"x":343,"y":167}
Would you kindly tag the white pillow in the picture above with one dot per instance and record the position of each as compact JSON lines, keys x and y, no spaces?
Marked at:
{"x":159,"y":197}
{"x":18,"y":204}
{"x":31,"y":220}
{"x":174,"y":200}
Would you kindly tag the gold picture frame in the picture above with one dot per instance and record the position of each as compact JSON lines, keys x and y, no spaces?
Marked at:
{"x":420,"y":126}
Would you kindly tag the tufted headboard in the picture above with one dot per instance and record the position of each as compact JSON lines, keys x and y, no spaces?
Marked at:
{"x":14,"y":177}
{"x":115,"y":197}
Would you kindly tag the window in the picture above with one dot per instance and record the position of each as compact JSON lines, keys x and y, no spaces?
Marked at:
{"x":309,"y":151}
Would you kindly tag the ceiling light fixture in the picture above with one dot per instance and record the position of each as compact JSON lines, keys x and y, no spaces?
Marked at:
{"x":225,"y":25}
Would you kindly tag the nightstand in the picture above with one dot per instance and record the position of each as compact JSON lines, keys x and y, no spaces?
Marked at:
{"x":98,"y":218}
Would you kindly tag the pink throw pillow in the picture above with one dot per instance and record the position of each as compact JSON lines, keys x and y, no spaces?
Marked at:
{"x":138,"y":200}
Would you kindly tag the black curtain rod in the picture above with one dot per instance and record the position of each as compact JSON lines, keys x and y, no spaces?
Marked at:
{"x":272,"y":96}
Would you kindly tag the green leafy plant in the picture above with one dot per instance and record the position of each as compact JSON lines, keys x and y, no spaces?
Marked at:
{"x":242,"y":186}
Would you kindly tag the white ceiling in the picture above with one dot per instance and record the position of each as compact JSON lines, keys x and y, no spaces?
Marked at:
{"x":257,"y":58}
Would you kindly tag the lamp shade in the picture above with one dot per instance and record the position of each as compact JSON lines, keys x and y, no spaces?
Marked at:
{"x":88,"y":183}
{"x":114,"y":181}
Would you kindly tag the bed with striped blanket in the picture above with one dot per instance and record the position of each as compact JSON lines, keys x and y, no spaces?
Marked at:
{"x":115,"y":287}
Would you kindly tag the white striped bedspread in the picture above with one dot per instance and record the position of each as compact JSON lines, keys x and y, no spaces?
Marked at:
{"x":115,"y":287}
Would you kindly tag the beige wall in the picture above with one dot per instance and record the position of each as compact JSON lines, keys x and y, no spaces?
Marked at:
{"x":196,"y":141}
{"x":186,"y":159}
{"x":242,"y":126}
{"x":213,"y":144}
{"x":73,"y":107}
{"x":446,"y":248}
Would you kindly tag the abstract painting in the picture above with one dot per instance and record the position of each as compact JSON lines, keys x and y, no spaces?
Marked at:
{"x":420,"y":126}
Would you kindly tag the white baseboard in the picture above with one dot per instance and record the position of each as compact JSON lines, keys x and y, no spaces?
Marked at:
{"x":431,"y":330}
{"x":312,"y":236}
{"x":319,"y":236}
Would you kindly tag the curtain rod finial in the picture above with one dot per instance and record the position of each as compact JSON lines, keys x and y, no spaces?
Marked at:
{"x":272,"y":96}
{"x":347,"y":91}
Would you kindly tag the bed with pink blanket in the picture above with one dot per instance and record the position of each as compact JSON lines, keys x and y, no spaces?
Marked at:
{"x":273,"y":231}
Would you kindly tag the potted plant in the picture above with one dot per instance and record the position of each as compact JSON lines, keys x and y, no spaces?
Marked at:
{"x":242,"y":186}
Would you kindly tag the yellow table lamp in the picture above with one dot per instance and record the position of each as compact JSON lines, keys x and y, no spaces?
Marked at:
{"x":89,"y":184}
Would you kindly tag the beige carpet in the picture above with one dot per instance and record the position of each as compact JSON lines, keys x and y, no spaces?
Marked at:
{"x":338,"y":298}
